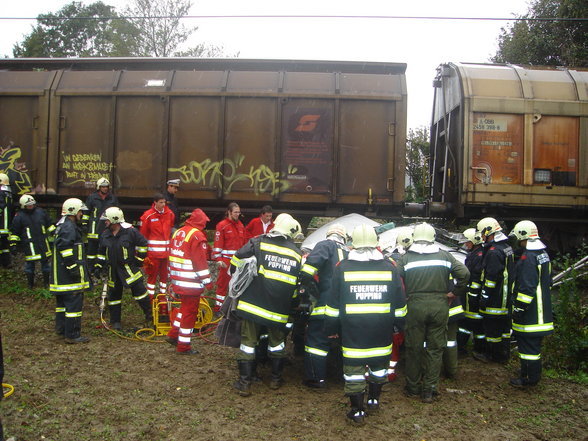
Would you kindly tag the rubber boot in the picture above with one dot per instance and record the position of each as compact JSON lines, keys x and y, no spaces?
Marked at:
{"x":315,"y":371}
{"x":31,"y":280}
{"x":145,"y":305}
{"x":46,"y":280}
{"x":255,"y":377}
{"x":374,"y":392}
{"x":114,"y":312}
{"x":277,"y":368}
{"x":356,"y":415}
{"x":243,"y":384}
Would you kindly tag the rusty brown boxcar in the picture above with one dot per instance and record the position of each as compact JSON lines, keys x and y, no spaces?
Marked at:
{"x":510,"y":140}
{"x":315,"y":137}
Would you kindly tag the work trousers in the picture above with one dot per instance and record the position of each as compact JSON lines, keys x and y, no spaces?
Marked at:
{"x":158,"y":268}
{"x":92,"y":251}
{"x":30,"y":266}
{"x":68,"y":314}
{"x":222,"y":284}
{"x":530,"y":356}
{"x":115,"y":299}
{"x":183,"y":325}
{"x":355,"y":378}
{"x":250,"y":332}
{"x":450,"y":351}
{"x":4,"y":251}
{"x":497,"y":331}
{"x":316,"y":351}
{"x":426,"y":321}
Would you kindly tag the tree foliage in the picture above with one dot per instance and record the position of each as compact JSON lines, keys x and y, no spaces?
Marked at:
{"x":551,"y":42}
{"x":417,"y":156}
{"x":66,"y":34}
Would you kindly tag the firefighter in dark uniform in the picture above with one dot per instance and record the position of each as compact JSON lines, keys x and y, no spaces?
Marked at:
{"x":123,"y":248}
{"x":97,"y":204}
{"x":267,"y":300}
{"x":70,"y":276}
{"x":495,"y":297}
{"x":367,"y":299}
{"x":426,"y":270}
{"x":532,"y":317}
{"x":321,"y":262}
{"x":6,"y":214}
{"x":472,"y":324}
{"x":31,"y":229}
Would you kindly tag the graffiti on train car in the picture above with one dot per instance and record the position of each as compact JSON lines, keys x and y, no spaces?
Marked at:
{"x":227,"y":172}
{"x":16,"y":170}
{"x":83,"y":168}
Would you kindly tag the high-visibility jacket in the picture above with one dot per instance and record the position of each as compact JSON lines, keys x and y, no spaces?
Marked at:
{"x":30,"y":231}
{"x":124,"y":253}
{"x":228,"y":238}
{"x":367,"y":300}
{"x":96,"y":207}
{"x":5,"y":210}
{"x":473,"y":262}
{"x":267,"y":300}
{"x":321,"y":261}
{"x":532,"y":297}
{"x":156,"y":227}
{"x":69,"y":272}
{"x":498,"y":266}
{"x":188,"y":261}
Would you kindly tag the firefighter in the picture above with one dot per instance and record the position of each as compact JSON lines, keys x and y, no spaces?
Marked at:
{"x":70,"y":273}
{"x":367,"y":299}
{"x":532,"y":317}
{"x":5,"y":219}
{"x":190,"y":277}
{"x":267,"y":300}
{"x":173,"y":185}
{"x":156,"y":226}
{"x":321,"y":262}
{"x":472,"y":323}
{"x":31,"y":229}
{"x":261,"y":224}
{"x":495,"y":297}
{"x":426,"y":270}
{"x":123,"y":248}
{"x":228,"y":238}
{"x":97,"y":203}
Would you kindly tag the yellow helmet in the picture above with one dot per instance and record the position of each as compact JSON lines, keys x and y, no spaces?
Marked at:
{"x":72,"y":206}
{"x":4,"y":179}
{"x":26,"y":200}
{"x":525,"y":230}
{"x":364,"y":236}
{"x":102,"y":182}
{"x":488,"y":226}
{"x":287,"y":225}
{"x":114,"y":215}
{"x":423,"y":233}
{"x":338,"y":229}
{"x":473,"y":236}
{"x":404,"y":238}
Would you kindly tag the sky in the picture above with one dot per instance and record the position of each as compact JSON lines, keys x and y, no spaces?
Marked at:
{"x":421,"y":44}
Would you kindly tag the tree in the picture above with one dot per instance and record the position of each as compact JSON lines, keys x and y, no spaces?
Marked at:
{"x":203,"y":50}
{"x":160,"y":23}
{"x":417,"y":156}
{"x":547,"y":42}
{"x":67,"y":34}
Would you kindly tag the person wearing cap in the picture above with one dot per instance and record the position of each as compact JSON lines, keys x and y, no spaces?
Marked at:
{"x":320,"y":263}
{"x":122,"y":250}
{"x":190,"y":277}
{"x":426,"y":270}
{"x":261,"y":224}
{"x":532,"y":316}
{"x":495,"y":297}
{"x":70,"y":272}
{"x":173,"y":185}
{"x":97,"y":203}
{"x":6,"y":215}
{"x":366,"y":301}
{"x":228,"y":238}
{"x":267,"y":300}
{"x":30,"y":233}
{"x":472,"y":324}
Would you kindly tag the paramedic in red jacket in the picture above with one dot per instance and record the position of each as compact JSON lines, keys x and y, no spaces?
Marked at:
{"x":229,"y":237}
{"x":188,"y":264}
{"x":156,"y":225}
{"x":260,"y":225}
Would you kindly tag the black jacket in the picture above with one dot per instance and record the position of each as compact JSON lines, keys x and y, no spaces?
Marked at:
{"x":498,"y":265}
{"x":69,"y":273}
{"x":96,"y":206}
{"x":30,"y":232}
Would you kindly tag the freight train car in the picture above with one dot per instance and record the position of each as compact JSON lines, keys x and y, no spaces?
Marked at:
{"x":315,"y":137}
{"x":511,"y":142}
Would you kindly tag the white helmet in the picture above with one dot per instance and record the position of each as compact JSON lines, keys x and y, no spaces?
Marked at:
{"x":102,"y":182}
{"x":423,"y":233}
{"x":26,"y":200}
{"x":404,"y":237}
{"x":72,"y":206}
{"x":364,"y":236}
{"x":488,"y":226}
{"x":4,"y":179}
{"x":337,"y":229}
{"x":114,"y":215}
{"x":473,"y":236}
{"x":525,"y":230}
{"x":287,"y":225}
